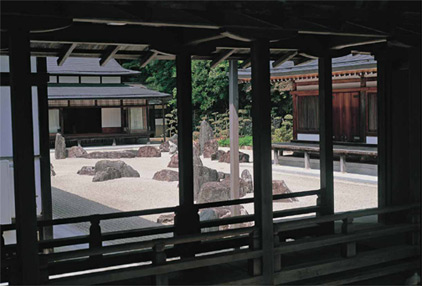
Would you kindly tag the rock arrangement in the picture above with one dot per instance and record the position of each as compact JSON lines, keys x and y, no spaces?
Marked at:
{"x":166,"y":175}
{"x":60,"y":151}
{"x":148,"y":151}
{"x":202,"y":175}
{"x":76,"y":152}
{"x":205,"y":135}
{"x":219,"y":213}
{"x":165,"y":146}
{"x":105,"y":170}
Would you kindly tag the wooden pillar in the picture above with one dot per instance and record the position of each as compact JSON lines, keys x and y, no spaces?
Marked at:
{"x":262,"y":169}
{"x":326,"y":200}
{"x":23,"y":157}
{"x":234,"y":134}
{"x":187,"y":219}
{"x":163,"y":106}
{"x":148,"y":123}
{"x":46,"y":201}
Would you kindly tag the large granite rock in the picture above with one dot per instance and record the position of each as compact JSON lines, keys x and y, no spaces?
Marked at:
{"x":87,"y":170}
{"x":213,"y":192}
{"x":174,"y":161}
{"x":166,"y":219}
{"x":122,"y":167}
{"x":280,"y":187}
{"x":52,"y":173}
{"x":247,"y":177}
{"x":243,"y":186}
{"x":172,"y":148}
{"x":166,"y":175}
{"x":201,"y":175}
{"x":76,"y":152}
{"x":165,"y":146}
{"x":217,"y":155}
{"x":60,"y":151}
{"x":174,"y":139}
{"x":210,"y":147}
{"x":243,"y":158}
{"x":222,"y":175}
{"x":106,"y":174}
{"x":208,"y":214}
{"x":205,"y":135}
{"x":111,"y":154}
{"x":148,"y":151}
{"x":220,"y":213}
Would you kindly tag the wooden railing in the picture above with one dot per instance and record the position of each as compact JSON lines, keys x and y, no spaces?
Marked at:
{"x":238,"y":244}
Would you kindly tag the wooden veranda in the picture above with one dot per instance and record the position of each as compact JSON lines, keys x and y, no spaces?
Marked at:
{"x":327,"y":247}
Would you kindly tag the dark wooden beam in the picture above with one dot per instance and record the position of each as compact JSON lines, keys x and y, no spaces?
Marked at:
{"x":326,"y":200}
{"x":27,"y":267}
{"x":147,"y":58}
{"x":187,"y":219}
{"x":108,"y":54}
{"x":66,"y":53}
{"x":262,"y":169}
{"x":246,"y":63}
{"x":284,"y":59}
{"x":221,"y":57}
{"x":44,"y":137}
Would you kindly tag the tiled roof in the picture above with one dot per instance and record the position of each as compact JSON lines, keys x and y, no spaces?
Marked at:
{"x":88,"y":66}
{"x":349,"y":62}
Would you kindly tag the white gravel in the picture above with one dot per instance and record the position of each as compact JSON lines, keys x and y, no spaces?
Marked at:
{"x":128,"y":194}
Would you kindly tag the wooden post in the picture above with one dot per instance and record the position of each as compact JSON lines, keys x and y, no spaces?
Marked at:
{"x":95,"y":240}
{"x":343,"y":163}
{"x":307,"y":159}
{"x":234,"y":135}
{"x":46,"y":200}
{"x":276,"y":159}
{"x":159,"y":258}
{"x":187,"y":218}
{"x":163,"y":106}
{"x":262,"y":168}
{"x":349,"y":248}
{"x":23,"y":157}
{"x":255,"y":265}
{"x":326,"y":137}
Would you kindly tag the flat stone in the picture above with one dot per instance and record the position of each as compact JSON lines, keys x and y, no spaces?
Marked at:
{"x":148,"y":151}
{"x":60,"y":151}
{"x":111,"y":154}
{"x":87,"y":170}
{"x":122,"y":167}
{"x":106,"y":175}
{"x":76,"y":152}
{"x":166,"y":175}
{"x":280,"y":187}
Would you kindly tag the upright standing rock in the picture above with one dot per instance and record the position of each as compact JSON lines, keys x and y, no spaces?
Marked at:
{"x":205,"y":135}
{"x":60,"y":147}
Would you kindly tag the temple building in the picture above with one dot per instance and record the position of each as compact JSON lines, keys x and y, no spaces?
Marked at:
{"x":354,"y":97}
{"x":89,"y":103}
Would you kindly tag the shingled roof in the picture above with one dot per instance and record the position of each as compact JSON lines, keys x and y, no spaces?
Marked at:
{"x":346,"y":63}
{"x":86,"y":66}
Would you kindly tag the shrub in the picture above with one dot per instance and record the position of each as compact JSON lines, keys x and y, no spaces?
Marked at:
{"x":243,"y":141}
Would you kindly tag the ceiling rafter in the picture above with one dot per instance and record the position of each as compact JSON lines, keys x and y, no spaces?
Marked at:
{"x":284,"y":59}
{"x":221,"y":57}
{"x":110,"y":52}
{"x":66,"y":53}
{"x":147,"y":58}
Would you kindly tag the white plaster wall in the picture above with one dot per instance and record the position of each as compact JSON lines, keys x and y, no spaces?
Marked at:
{"x":90,"y":79}
{"x":308,"y":137}
{"x":111,"y":79}
{"x":68,"y":79}
{"x":52,"y":79}
{"x":111,"y":117}
{"x":371,"y":139}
